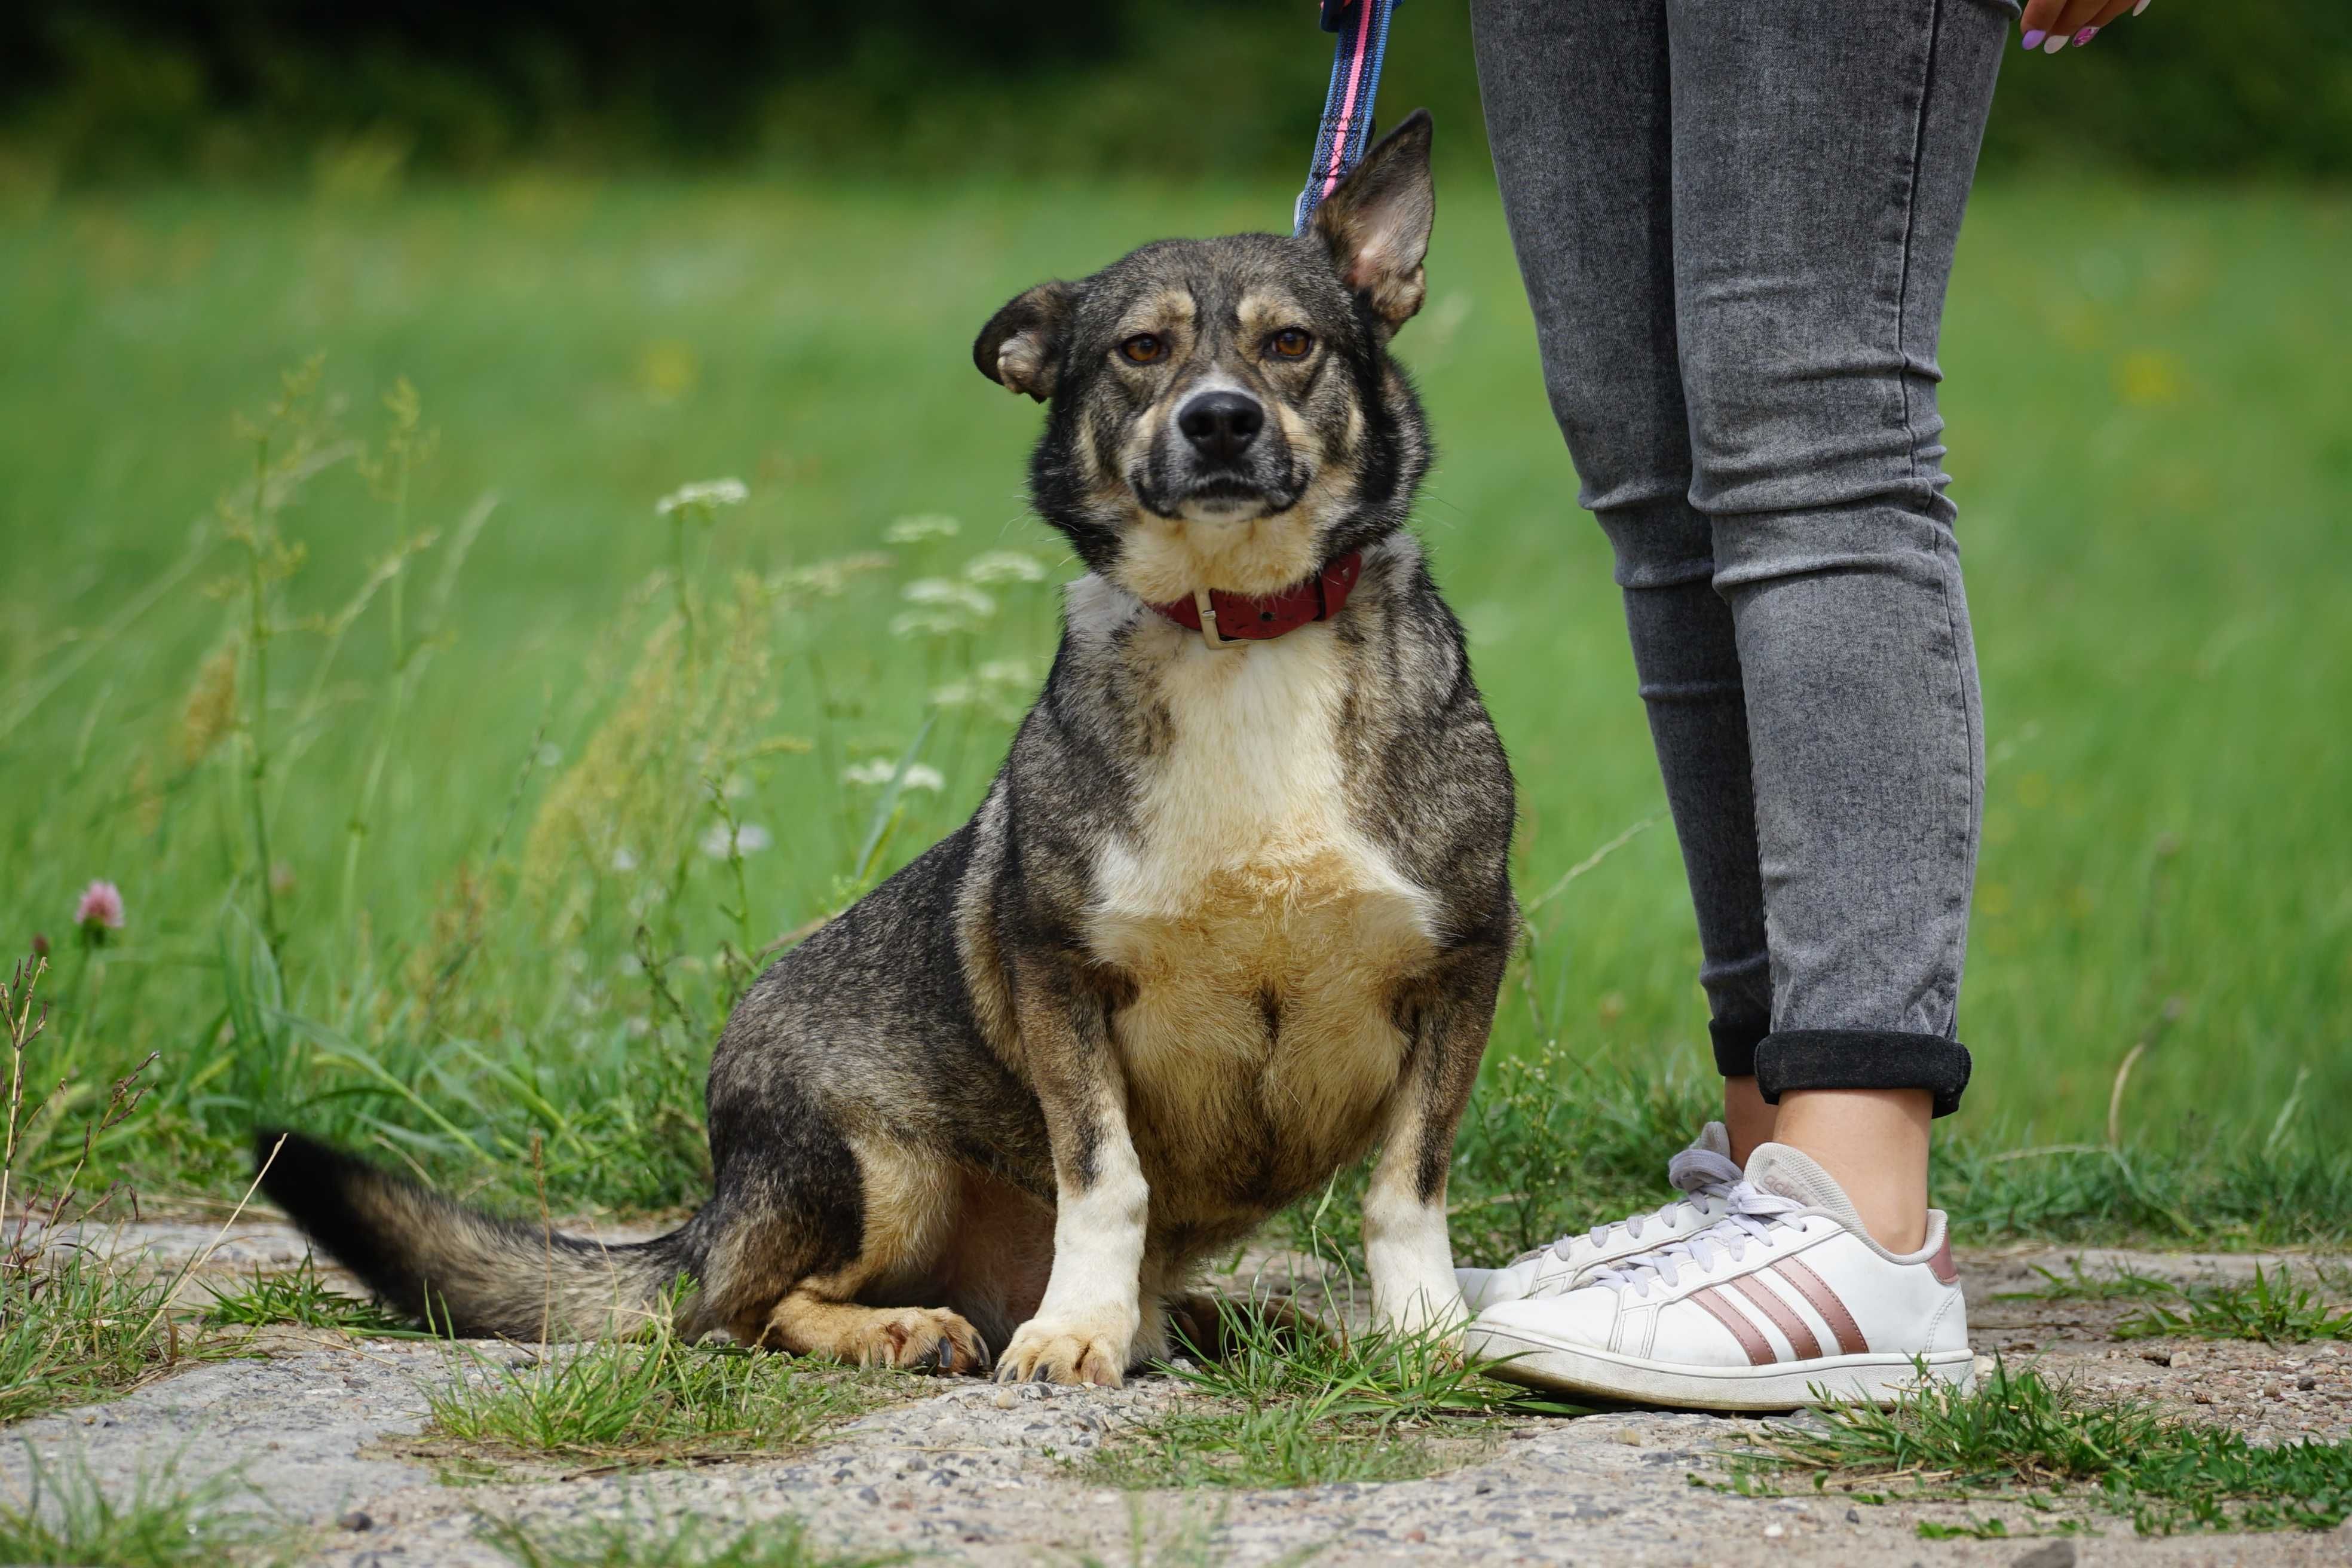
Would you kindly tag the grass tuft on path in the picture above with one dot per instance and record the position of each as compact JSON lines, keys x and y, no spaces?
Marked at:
{"x":1289,"y":1406}
{"x":684,"y":1543}
{"x":2046,"y":1444}
{"x":67,"y":1519}
{"x":72,"y":1326}
{"x":298,"y":1299}
{"x":2271,"y":1307}
{"x":649,"y":1400}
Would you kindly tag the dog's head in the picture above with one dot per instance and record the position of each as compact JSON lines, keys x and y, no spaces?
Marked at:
{"x":1224,"y":412}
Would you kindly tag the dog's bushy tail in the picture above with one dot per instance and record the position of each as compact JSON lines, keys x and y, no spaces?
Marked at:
{"x":457,"y":1271}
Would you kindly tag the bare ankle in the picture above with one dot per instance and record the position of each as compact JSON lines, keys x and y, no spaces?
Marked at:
{"x":1873,"y":1143}
{"x":1746,"y":1116}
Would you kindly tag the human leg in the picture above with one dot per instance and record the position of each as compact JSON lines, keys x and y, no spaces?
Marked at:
{"x":1578,"y":111}
{"x":1820,"y":174}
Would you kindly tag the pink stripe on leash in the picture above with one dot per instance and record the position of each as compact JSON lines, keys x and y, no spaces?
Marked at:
{"x":1347,"y":104}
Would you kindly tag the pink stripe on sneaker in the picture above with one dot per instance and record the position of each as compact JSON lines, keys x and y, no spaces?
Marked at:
{"x":1800,"y":1338}
{"x":1816,"y":1290}
{"x":1759,"y":1349}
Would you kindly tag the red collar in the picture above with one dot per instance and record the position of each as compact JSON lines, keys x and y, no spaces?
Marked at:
{"x":1224,"y":619}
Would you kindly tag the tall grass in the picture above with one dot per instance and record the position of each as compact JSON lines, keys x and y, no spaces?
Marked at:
{"x":455,"y":791}
{"x":73,"y":1324}
{"x":558,"y":994}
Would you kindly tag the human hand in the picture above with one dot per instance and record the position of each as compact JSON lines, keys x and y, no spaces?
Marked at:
{"x":2050,"y":25}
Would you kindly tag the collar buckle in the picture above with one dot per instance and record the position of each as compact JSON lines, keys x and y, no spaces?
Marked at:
{"x":1206,"y":606}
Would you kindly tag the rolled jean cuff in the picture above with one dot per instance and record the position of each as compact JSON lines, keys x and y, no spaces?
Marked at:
{"x":1735,"y":1045}
{"x":1860,"y":1059}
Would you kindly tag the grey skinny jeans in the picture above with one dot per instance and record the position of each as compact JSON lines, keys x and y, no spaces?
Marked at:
{"x":1735,"y":220}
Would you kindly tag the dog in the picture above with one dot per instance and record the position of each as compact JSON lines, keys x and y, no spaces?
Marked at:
{"x":1234,"y":910}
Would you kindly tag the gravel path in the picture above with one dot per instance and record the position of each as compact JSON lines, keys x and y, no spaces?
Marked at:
{"x":311,"y":1431}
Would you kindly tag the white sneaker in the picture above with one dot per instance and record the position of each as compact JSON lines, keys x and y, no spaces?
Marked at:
{"x":1784,"y":1301}
{"x":1705,"y":1171}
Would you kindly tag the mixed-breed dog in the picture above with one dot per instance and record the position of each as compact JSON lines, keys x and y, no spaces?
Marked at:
{"x":1234,"y":911}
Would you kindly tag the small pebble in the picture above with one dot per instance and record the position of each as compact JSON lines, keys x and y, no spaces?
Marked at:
{"x":355,"y":1520}
{"x":1630,"y":1437}
{"x":1773,"y":1532}
{"x":2307,"y":1382}
{"x":1854,"y":1516}
{"x":1006,"y":1399}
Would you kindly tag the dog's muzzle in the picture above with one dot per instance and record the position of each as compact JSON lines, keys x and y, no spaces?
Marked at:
{"x":1217,"y":461}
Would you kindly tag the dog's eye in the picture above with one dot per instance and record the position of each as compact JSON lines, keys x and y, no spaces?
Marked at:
{"x":1144,"y":348}
{"x":1291,"y":343}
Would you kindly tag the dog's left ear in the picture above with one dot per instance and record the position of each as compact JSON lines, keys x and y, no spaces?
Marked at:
{"x":1377,"y":223}
{"x":1021,"y":347}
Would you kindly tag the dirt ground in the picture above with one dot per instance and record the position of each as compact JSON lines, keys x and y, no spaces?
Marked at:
{"x":312,"y":1427}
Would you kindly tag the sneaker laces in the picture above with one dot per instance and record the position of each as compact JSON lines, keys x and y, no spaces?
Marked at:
{"x":1705,"y":1176}
{"x":1753,"y":1215}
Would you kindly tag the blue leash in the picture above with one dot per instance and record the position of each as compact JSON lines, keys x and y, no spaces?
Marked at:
{"x":1363,"y":30}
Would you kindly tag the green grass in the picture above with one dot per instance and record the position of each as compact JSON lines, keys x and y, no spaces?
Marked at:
{"x":300,"y":1299}
{"x":67,"y":1519}
{"x":637,"y":1402}
{"x":2080,"y":1284}
{"x":684,"y":1543}
{"x":2271,"y":1307}
{"x":410,"y":756}
{"x":2050,"y":1444}
{"x":73,"y":1326}
{"x":1281,"y":1408}
{"x":74,"y":1330}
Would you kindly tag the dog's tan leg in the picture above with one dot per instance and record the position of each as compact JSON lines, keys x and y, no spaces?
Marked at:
{"x":1406,"y":1250}
{"x":908,"y":1205}
{"x":1084,"y":1329}
{"x":811,"y":1321}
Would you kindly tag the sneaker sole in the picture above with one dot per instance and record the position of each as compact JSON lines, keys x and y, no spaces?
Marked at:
{"x":1787,"y":1385}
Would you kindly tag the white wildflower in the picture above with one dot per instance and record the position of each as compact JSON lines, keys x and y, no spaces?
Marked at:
{"x":707,"y":494}
{"x":1008,"y":672}
{"x":826,"y":579}
{"x":927,"y":624}
{"x":747,"y":839}
{"x":915,"y":530}
{"x":940,"y":593}
{"x":624,"y":859}
{"x":1005,"y":566}
{"x":877,"y":772}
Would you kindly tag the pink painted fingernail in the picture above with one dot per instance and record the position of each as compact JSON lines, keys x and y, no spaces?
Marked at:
{"x":2034,"y":39}
{"x":2086,"y":36}
{"x":2057,"y":41}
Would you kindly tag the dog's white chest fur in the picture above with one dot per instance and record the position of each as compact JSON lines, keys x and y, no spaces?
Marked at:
{"x":1265,"y":933}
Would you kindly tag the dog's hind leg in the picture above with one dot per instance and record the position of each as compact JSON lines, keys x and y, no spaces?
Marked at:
{"x":909,"y":1202}
{"x":813,"y":1320}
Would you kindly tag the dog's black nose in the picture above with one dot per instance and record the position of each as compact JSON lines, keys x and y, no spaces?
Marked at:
{"x":1221,"y":425}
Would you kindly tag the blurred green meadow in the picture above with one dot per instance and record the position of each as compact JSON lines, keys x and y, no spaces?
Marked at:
{"x":452,"y":792}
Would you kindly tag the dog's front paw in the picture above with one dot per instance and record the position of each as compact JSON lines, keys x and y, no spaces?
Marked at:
{"x":1071,"y":1351}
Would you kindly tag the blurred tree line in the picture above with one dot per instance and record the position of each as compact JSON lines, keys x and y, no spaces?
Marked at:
{"x":103,"y":90}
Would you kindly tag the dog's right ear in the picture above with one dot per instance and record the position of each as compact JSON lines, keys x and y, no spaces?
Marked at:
{"x":1021,"y":347}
